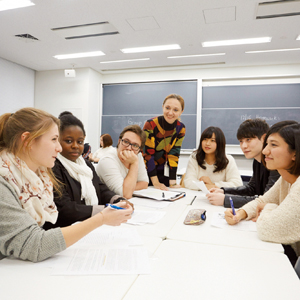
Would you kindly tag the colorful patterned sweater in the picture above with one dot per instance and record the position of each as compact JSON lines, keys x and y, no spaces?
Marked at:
{"x":163,"y":142}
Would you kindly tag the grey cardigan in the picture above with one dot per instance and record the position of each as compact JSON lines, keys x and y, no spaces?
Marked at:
{"x":20,"y":235}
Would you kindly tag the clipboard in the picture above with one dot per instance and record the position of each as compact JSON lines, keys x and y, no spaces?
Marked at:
{"x":159,"y":194}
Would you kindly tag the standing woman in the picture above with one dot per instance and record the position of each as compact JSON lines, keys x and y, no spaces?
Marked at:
{"x":26,"y":189}
{"x":277,"y":212}
{"x":210,"y":164}
{"x":105,"y":148}
{"x":83,"y":194}
{"x":164,"y":137}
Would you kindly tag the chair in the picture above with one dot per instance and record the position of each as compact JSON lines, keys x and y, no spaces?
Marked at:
{"x":182,"y":180}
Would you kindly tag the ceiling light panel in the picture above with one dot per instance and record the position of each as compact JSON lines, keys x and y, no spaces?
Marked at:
{"x":12,"y":4}
{"x":274,"y":50}
{"x":197,"y":55}
{"x":86,"y":30}
{"x":123,"y":60}
{"x":237,"y":42}
{"x":79,"y":55}
{"x":151,"y":48}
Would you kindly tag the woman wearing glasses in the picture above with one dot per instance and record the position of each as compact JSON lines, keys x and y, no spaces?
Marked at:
{"x":123,"y":170}
{"x":82,"y":193}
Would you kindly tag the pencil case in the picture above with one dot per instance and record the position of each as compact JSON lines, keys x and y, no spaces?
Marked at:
{"x":195,"y":217}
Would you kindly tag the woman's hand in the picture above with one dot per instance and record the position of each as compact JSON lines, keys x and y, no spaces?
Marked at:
{"x":206,"y":180}
{"x":160,"y":186}
{"x":216,"y":190}
{"x":231,"y":219}
{"x":173,"y":184}
{"x":259,"y":209}
{"x":114,"y":217}
{"x":216,"y":198}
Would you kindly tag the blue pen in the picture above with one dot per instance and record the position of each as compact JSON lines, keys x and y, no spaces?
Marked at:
{"x":115,"y":206}
{"x":232,"y":207}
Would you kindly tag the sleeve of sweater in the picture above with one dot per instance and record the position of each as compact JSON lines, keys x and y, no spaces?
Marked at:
{"x":191,"y":173}
{"x":142,"y":172}
{"x":20,"y":235}
{"x":174,"y":153}
{"x":149,"y":149}
{"x":281,"y":223}
{"x":109,"y":172}
{"x":232,"y":175}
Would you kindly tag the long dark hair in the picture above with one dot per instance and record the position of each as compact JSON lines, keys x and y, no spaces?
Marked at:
{"x":221,"y":159}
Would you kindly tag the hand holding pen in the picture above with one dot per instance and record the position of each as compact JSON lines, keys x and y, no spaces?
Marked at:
{"x":116,"y":214}
{"x":232,"y":217}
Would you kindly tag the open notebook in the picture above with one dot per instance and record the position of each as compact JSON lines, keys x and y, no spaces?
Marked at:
{"x":159,"y":194}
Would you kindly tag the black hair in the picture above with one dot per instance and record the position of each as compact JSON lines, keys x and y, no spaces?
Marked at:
{"x":67,"y":119}
{"x":290,"y":132}
{"x":252,"y":128}
{"x":221,"y":159}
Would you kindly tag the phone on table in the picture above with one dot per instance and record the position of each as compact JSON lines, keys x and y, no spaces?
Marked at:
{"x":195,"y":217}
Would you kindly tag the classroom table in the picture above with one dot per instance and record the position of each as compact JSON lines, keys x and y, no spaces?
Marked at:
{"x":206,"y":234}
{"x":186,"y":270}
{"x":24,"y":280}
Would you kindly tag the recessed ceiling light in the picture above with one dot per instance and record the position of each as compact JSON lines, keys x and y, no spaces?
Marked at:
{"x":151,"y":48}
{"x":124,"y":60}
{"x":275,"y":50}
{"x":237,"y":42}
{"x":298,"y":38}
{"x":77,"y":55}
{"x":183,"y":56}
{"x":12,"y":4}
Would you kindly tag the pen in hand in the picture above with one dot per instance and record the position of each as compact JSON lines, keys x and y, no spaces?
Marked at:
{"x":115,"y":206}
{"x":232,"y":207}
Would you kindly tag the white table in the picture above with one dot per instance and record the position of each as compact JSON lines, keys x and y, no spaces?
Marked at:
{"x":206,"y":234}
{"x":185,"y":270}
{"x":162,"y":227}
{"x":23,"y":280}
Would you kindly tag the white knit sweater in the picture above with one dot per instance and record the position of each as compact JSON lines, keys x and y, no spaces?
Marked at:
{"x":279,"y":222}
{"x":229,"y":177}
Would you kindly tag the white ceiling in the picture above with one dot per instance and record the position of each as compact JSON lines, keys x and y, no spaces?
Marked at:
{"x":149,"y":23}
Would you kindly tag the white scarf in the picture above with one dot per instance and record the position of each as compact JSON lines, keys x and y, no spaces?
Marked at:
{"x":83,"y":174}
{"x":35,"y":190}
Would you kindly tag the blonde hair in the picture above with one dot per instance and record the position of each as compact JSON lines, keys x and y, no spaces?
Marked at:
{"x":35,"y":121}
{"x":177,"y":97}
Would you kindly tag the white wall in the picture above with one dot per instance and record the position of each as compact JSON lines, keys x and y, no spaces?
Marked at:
{"x":16,"y":86}
{"x":83,"y":94}
{"x":56,"y":93}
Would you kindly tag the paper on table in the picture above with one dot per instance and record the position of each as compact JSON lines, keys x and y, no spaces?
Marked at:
{"x":201,"y":185}
{"x":149,"y":202}
{"x":112,"y":236}
{"x":141,"y":217}
{"x":93,"y":261}
{"x":218,"y":220}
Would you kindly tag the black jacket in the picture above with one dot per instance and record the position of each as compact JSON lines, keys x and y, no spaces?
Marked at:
{"x":261,"y":181}
{"x":70,"y":206}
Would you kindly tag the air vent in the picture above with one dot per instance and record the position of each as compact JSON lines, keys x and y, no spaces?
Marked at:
{"x":86,"y":30}
{"x":26,"y":37}
{"x":278,"y":9}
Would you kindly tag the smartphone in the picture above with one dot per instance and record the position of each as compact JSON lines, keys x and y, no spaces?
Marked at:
{"x":195,"y":217}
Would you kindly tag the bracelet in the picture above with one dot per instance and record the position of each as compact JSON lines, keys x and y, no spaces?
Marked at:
{"x":173,"y":184}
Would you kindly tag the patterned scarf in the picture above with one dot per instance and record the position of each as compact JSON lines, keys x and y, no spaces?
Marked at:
{"x":35,"y":190}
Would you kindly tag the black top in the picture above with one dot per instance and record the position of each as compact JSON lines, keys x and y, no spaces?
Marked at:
{"x":261,"y":181}
{"x":70,"y":206}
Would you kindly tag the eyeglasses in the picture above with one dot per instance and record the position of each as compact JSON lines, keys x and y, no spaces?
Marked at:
{"x":134,"y":147}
